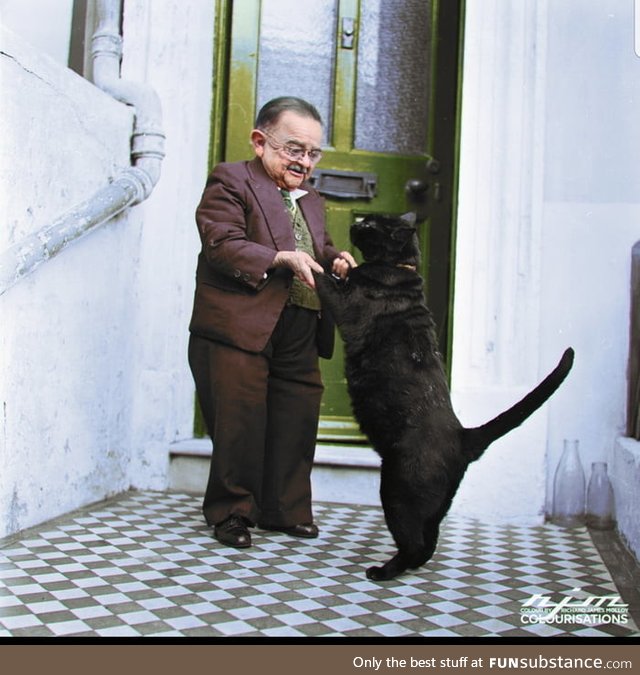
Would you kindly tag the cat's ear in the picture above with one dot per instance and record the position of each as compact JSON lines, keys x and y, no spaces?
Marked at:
{"x":403,"y":233}
{"x":409,"y":217}
{"x":406,"y":228}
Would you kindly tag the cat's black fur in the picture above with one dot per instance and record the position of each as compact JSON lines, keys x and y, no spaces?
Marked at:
{"x":399,"y":390}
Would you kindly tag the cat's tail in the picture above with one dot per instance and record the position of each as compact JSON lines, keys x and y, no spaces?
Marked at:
{"x":478,"y":439}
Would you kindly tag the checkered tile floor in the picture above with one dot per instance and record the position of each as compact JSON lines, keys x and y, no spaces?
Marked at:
{"x":145,"y":564}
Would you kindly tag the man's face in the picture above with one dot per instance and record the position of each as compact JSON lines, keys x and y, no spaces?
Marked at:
{"x":277,"y":148}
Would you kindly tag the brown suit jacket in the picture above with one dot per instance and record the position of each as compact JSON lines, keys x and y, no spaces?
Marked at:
{"x":243,"y":222}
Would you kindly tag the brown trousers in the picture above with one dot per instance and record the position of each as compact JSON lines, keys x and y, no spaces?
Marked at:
{"x":261,"y":411}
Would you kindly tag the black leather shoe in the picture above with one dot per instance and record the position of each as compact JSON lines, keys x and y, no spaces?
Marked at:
{"x":305,"y":530}
{"x":233,"y":532}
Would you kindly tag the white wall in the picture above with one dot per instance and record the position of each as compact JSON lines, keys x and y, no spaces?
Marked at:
{"x":44,"y":24}
{"x":496,"y":342}
{"x":591,"y":214}
{"x":169,"y":45}
{"x":549,"y":210}
{"x":94,"y":383}
{"x":64,"y":380}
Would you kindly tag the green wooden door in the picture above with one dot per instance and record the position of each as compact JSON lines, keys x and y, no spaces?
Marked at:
{"x":383,"y":74}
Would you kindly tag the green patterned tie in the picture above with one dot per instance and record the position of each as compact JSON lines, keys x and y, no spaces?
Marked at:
{"x":300,"y":294}
{"x":288,"y":202}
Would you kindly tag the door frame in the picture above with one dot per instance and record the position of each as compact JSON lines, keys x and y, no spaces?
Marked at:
{"x":445,"y":141}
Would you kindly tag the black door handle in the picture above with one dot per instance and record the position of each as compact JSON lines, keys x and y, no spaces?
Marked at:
{"x":416,"y":190}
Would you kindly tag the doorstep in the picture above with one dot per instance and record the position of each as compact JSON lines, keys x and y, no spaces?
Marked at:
{"x":342,"y":473}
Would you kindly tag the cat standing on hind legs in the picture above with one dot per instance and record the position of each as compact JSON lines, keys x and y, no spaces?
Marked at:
{"x":399,"y":392}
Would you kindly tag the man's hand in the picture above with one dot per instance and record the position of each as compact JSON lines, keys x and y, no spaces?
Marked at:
{"x":342,"y":264}
{"x":301,"y":263}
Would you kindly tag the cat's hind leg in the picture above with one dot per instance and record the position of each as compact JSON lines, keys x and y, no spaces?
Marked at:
{"x":415,"y":533}
{"x":392,"y":568}
{"x":404,"y":560}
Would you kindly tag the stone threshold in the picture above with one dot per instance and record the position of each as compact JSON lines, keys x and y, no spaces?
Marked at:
{"x":327,"y":454}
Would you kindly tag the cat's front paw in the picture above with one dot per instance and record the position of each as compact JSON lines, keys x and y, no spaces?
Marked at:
{"x":328,"y":286}
{"x":326,"y":278}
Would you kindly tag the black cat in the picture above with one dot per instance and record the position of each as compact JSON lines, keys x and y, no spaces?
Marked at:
{"x":399,"y":390}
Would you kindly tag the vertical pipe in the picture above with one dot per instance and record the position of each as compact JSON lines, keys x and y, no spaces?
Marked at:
{"x":147,"y":141}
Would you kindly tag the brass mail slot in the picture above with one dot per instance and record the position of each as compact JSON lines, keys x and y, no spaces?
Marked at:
{"x":344,"y":184}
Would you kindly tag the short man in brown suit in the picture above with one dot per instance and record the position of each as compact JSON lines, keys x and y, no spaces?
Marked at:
{"x":254,"y":342}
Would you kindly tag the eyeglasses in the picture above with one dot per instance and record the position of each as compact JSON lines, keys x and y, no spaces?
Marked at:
{"x":294,"y":152}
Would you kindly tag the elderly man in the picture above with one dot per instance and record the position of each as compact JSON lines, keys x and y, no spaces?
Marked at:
{"x":255,"y":336}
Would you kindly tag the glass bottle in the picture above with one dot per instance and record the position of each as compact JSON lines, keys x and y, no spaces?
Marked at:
{"x":568,"y":488}
{"x":600,"y":498}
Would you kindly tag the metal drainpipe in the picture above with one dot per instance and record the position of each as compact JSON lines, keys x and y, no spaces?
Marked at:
{"x":130,"y":187}
{"x":147,"y":141}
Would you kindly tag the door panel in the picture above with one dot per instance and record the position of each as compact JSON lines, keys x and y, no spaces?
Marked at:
{"x":394,"y":60}
{"x":299,"y":53}
{"x":369,"y":68}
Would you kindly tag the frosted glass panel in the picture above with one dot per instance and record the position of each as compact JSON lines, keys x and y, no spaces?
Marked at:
{"x":297,"y":52}
{"x":392,"y":96}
